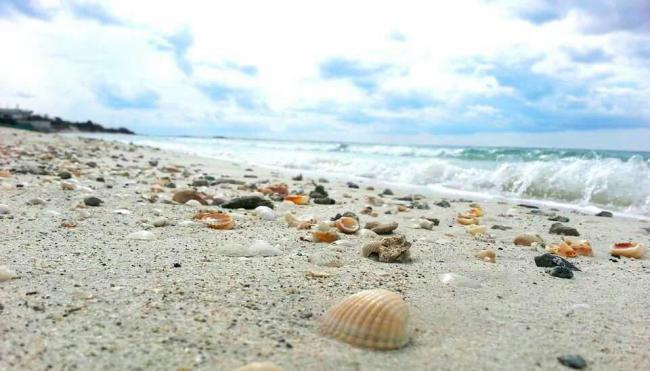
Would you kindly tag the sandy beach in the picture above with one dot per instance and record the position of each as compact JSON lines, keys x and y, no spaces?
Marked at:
{"x":87,"y":296}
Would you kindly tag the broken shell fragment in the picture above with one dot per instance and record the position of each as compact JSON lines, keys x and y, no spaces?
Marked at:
{"x":628,"y":249}
{"x":376,"y":319}
{"x":259,"y":366}
{"x":185,"y":195}
{"x":388,"y":249}
{"x":6,"y":274}
{"x":279,"y":188}
{"x":487,"y":256}
{"x":347,"y":225}
{"x":562,"y":249}
{"x":382,"y":228}
{"x":466,"y":220}
{"x":324,"y":233}
{"x":215,"y":219}
{"x":295,"y":222}
{"x":297,"y":199}
{"x":528,"y":239}
{"x":476,"y":230}
{"x":325,"y":259}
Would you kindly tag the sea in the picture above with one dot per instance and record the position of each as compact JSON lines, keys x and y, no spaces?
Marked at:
{"x":578,"y":179}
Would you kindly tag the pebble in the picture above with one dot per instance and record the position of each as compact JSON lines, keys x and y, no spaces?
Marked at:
{"x":605,"y":214}
{"x":247,"y":202}
{"x":193,"y":203}
{"x":559,"y":218}
{"x":4,"y":209}
{"x":65,"y":175}
{"x":160,"y":222}
{"x":561,"y":229}
{"x":92,"y":201}
{"x":36,"y":201}
{"x":187,"y":223}
{"x":387,"y":192}
{"x":501,"y":227}
{"x":352,"y":185}
{"x":265,"y":213}
{"x":141,"y":235}
{"x":560,"y":272}
{"x":6,"y":274}
{"x":550,"y":260}
{"x":573,"y":361}
{"x":443,"y":203}
{"x":458,"y":280}
{"x":324,"y":201}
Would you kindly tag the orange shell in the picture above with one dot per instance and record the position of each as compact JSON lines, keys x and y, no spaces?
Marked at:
{"x":297,"y":199}
{"x":476,"y":212}
{"x":215,"y":219}
{"x":487,"y":256}
{"x":347,"y":225}
{"x":563,"y":249}
{"x":462,"y":219}
{"x":376,"y":319}
{"x":628,"y":249}
{"x":279,"y":188}
{"x":5,"y":174}
{"x":582,"y":247}
{"x":325,"y":236}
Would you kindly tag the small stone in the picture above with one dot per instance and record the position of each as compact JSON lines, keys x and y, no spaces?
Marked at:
{"x":65,"y":175}
{"x":4,"y":209}
{"x":318,"y":192}
{"x":247,"y":202}
{"x":560,"y":272}
{"x":265,"y":213}
{"x":141,"y":235}
{"x":387,"y":192}
{"x":352,"y":185}
{"x":324,"y":201}
{"x":605,"y":214}
{"x":528,"y":206}
{"x":200,"y":183}
{"x":443,"y":203}
{"x":501,"y":227}
{"x":92,"y":201}
{"x":550,"y":260}
{"x":177,"y":265}
{"x":153,"y":163}
{"x":573,"y":361}
{"x":160,"y":222}
{"x":6,"y":274}
{"x":193,"y":203}
{"x":559,"y":218}
{"x":297,"y":178}
{"x":92,"y":164}
{"x":36,"y":201}
{"x":559,"y":228}
{"x":528,"y":239}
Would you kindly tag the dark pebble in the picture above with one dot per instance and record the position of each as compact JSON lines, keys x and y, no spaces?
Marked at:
{"x":323,"y":180}
{"x":92,"y":201}
{"x":573,"y":361}
{"x":177,"y":265}
{"x":100,"y":179}
{"x":559,"y":228}
{"x":561,"y":272}
{"x":443,"y":203}
{"x":324,"y":201}
{"x":501,"y":227}
{"x":65,"y":175}
{"x":550,"y":260}
{"x":559,"y":218}
{"x":387,"y":192}
{"x":200,"y":183}
{"x":605,"y":214}
{"x":420,"y":205}
{"x":92,"y":164}
{"x":318,"y":192}
{"x":352,"y":185}
{"x":170,"y":185}
{"x":247,"y":202}
{"x":153,"y":163}
{"x":528,"y":206}
{"x":297,"y":178}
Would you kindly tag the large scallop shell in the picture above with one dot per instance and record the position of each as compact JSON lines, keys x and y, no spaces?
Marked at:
{"x":376,"y":319}
{"x":628,"y":249}
{"x":347,"y":225}
{"x":215,"y":219}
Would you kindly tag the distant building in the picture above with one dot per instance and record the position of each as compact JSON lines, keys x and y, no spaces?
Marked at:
{"x":15,"y":113}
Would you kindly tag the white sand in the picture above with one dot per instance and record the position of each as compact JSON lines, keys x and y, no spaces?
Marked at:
{"x":89,"y":298}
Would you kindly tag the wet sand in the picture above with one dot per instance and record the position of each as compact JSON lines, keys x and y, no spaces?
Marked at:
{"x":88,"y":297}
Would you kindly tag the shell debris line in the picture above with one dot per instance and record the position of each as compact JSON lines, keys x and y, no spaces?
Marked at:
{"x":375,"y":319}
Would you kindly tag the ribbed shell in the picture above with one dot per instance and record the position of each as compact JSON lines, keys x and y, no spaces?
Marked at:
{"x":347,"y":225}
{"x":376,"y":319}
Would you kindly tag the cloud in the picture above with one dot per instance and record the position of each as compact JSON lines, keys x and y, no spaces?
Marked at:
{"x":27,"y":8}
{"x":364,"y":77}
{"x":224,"y":94}
{"x":595,"y":55}
{"x":179,"y":44}
{"x":113,"y":97}
{"x":94,"y":12}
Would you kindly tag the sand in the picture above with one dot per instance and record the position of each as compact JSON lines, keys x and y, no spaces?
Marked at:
{"x":89,"y":298}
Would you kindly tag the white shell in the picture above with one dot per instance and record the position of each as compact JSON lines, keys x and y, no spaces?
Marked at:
{"x":6,"y":274}
{"x":265,"y":213}
{"x":325,"y":259}
{"x":141,"y":235}
{"x":635,"y":250}
{"x":476,"y":230}
{"x":376,"y":319}
{"x":367,"y":233}
{"x":160,"y":222}
{"x":122,"y":211}
{"x":346,"y":243}
{"x":193,"y":203}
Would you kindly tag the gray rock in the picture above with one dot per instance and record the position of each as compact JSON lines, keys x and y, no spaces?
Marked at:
{"x":65,"y":175}
{"x":443,"y":203}
{"x":550,"y":260}
{"x":559,"y":218}
{"x":352,"y":185}
{"x":324,"y":201}
{"x":200,"y":183}
{"x":605,"y":214}
{"x":92,"y":201}
{"x":247,"y":202}
{"x":387,"y":192}
{"x":561,"y":229}
{"x":573,"y":361}
{"x":560,"y":272}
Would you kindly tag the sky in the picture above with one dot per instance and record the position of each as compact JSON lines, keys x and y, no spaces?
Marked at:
{"x":470,"y":72}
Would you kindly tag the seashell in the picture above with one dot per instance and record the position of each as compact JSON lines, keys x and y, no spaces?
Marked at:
{"x":581,"y":247}
{"x":141,"y":235}
{"x":193,"y":203}
{"x":562,"y":249}
{"x":426,"y":224}
{"x":475,"y":230}
{"x":628,"y":249}
{"x":259,"y":366}
{"x":367,"y":233}
{"x":68,"y":224}
{"x":4,"y":209}
{"x":461,"y":219}
{"x":318,"y":274}
{"x":185,"y":195}
{"x":295,"y":222}
{"x":215,"y":219}
{"x":279,"y":188}
{"x":5,"y":174}
{"x":160,"y":222}
{"x":345,"y":243}
{"x":297,"y":199}
{"x":376,"y":319}
{"x":6,"y":274}
{"x":257,"y":248}
{"x":122,"y":211}
{"x":476,"y":212}
{"x":324,"y":233}
{"x":325,"y":259}
{"x":382,"y":228}
{"x":458,"y":280}
{"x":389,"y":249}
{"x":347,"y":225}
{"x":265,"y":213}
{"x":157,"y":188}
{"x":375,"y":201}
{"x":487,"y":256}
{"x":528,"y":239}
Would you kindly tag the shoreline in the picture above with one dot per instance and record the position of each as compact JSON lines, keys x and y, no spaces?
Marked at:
{"x":90,"y":297}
